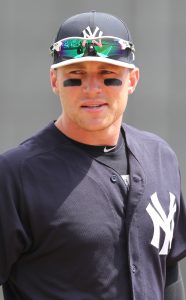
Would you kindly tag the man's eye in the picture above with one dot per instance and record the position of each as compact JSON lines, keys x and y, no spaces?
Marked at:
{"x":105,"y":72}
{"x":76,"y":72}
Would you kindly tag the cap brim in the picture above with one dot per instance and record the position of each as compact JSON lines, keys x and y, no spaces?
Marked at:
{"x":93,"y":58}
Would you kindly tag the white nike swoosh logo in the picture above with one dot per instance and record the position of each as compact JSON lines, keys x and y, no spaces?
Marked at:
{"x":108,"y":149}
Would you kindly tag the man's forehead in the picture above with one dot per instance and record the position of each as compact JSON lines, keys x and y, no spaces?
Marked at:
{"x":92,"y":64}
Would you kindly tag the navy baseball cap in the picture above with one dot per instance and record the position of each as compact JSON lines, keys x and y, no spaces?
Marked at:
{"x":93,"y":36}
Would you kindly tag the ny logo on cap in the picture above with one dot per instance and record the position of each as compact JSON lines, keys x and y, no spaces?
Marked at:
{"x":160,"y":220}
{"x":87,"y":33}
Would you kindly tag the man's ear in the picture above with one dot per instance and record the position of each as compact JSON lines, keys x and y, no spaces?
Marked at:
{"x":133,"y":80}
{"x":53,"y":81}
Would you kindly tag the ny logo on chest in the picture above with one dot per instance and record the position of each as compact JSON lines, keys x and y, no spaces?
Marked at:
{"x":162,"y":221}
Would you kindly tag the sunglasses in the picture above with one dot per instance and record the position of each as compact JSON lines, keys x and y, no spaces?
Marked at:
{"x":76,"y":47}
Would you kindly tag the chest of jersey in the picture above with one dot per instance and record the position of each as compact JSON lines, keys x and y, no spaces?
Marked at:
{"x":82,"y":214}
{"x":77,"y":221}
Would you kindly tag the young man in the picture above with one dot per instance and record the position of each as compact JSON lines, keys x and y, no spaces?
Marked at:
{"x":91,"y":208}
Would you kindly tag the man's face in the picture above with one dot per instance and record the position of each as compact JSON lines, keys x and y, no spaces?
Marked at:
{"x":93,"y":95}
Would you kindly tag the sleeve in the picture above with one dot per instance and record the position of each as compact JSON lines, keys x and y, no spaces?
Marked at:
{"x":178,"y":248}
{"x":13,"y":237}
{"x":174,"y":289}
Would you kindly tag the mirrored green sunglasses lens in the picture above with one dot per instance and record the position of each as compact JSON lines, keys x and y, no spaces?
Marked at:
{"x":109,"y":49}
{"x":72,"y":48}
{"x":76,"y":48}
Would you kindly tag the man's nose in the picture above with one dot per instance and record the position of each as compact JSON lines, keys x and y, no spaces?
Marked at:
{"x":92,"y":85}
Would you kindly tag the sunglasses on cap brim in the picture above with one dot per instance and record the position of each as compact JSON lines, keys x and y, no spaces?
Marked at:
{"x":77,"y":47}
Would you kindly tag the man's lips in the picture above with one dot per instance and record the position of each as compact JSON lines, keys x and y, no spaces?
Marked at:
{"x":94,"y":106}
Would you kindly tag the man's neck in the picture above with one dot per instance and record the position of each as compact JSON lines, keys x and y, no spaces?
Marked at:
{"x":107,"y":136}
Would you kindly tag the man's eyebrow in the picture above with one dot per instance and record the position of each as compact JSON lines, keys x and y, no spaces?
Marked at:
{"x":82,"y":65}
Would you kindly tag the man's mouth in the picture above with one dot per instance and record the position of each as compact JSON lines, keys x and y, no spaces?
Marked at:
{"x":95,"y":106}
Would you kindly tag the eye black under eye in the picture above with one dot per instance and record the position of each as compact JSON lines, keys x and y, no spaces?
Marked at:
{"x":112,"y":82}
{"x":72,"y":82}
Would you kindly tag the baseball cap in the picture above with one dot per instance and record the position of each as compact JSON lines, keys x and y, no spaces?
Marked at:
{"x":93,"y":36}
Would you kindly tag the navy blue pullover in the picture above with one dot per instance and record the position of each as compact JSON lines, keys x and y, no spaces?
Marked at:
{"x":67,"y":231}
